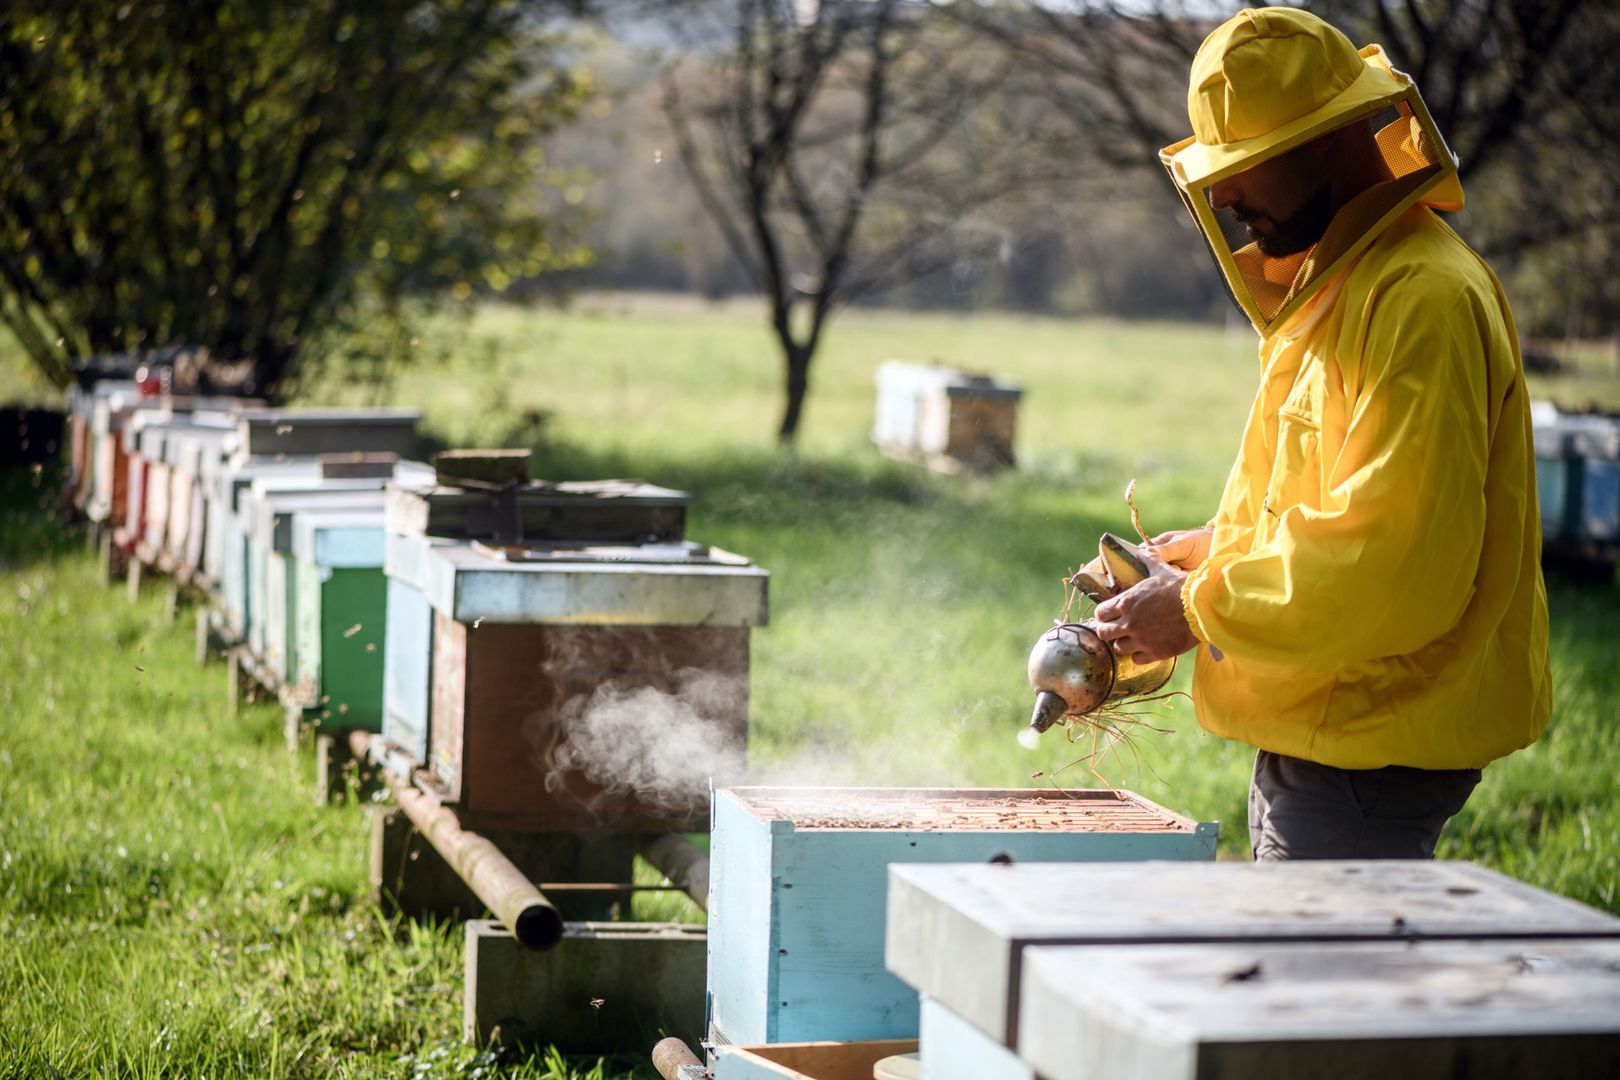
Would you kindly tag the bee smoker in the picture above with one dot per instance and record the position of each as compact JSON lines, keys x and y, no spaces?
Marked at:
{"x":1071,"y":668}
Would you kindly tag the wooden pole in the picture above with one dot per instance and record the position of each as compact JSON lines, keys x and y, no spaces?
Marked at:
{"x":682,"y":861}
{"x":674,"y":1061}
{"x":503,"y":888}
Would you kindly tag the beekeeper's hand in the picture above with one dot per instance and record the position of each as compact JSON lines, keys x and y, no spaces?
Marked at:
{"x":1147,"y":622}
{"x":1185,"y":549}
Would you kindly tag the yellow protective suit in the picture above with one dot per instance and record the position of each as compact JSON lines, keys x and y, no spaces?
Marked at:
{"x":1373,"y":586}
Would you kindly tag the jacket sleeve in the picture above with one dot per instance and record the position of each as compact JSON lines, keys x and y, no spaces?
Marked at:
{"x":1386,"y":565}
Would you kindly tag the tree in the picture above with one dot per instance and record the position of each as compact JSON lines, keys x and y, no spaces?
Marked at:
{"x":841,"y":148}
{"x":234,"y":173}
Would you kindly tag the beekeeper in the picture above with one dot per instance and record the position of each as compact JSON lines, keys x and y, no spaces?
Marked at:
{"x":1367,"y":604}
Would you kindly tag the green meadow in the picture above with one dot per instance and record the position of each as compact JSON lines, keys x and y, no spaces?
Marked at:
{"x":172,"y":902}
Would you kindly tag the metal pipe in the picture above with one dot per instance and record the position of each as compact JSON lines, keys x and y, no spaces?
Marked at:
{"x":503,"y":888}
{"x":674,"y":1060}
{"x":680,"y":860}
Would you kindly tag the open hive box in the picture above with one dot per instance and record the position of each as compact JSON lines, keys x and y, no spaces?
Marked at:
{"x":799,"y":880}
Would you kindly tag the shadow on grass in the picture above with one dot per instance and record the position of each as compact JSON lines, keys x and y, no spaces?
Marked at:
{"x":33,"y":519}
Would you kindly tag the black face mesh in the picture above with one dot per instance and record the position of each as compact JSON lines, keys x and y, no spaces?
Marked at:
{"x":1277,"y":220}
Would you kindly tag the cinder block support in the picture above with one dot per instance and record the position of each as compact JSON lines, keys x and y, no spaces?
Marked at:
{"x":605,"y":988}
{"x":410,"y":877}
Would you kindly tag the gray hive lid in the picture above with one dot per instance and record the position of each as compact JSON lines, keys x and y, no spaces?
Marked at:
{"x":957,"y":932}
{"x":269,"y":432}
{"x":1373,"y":1010}
{"x":612,"y":511}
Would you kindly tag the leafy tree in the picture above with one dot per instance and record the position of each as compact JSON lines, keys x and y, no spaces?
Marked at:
{"x":235,"y":173}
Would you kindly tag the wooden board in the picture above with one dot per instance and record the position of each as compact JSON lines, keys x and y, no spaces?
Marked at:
{"x":806,"y":1060}
{"x":1488,"y":1010}
{"x":307,"y":432}
{"x":797,"y":940}
{"x":610,"y":510}
{"x":959,"y":932}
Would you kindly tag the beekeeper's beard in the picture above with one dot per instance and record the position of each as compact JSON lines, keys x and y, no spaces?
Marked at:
{"x":1294,"y":233}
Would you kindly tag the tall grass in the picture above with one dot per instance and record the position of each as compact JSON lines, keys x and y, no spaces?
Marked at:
{"x":172,"y":901}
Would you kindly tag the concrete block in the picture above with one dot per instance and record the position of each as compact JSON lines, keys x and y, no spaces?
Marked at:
{"x":605,"y":988}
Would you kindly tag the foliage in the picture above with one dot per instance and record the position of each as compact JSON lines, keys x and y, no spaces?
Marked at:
{"x":234,"y":174}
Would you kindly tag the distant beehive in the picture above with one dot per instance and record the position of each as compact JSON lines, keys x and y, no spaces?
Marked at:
{"x":945,"y":417}
{"x":1577,"y":475}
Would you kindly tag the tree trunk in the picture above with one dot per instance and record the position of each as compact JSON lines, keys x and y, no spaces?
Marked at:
{"x":798,"y":382}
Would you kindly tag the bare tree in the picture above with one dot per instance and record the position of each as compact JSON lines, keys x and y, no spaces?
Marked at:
{"x":841,"y":148}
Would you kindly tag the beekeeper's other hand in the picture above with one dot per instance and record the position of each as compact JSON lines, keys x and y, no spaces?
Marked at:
{"x":1185,"y":548}
{"x":1147,"y":622}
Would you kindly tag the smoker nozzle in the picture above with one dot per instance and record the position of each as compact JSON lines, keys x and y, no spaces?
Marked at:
{"x":1048,"y":708}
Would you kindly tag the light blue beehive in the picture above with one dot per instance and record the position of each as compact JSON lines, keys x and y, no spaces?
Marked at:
{"x":1598,"y":444}
{"x":799,"y":879}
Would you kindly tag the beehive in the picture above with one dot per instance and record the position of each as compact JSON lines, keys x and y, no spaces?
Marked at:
{"x":798,"y":879}
{"x":339,"y":617}
{"x":1597,"y":443}
{"x":274,"y":629}
{"x":936,"y":412}
{"x":186,"y":450}
{"x":515,"y":640}
{"x":109,"y":465}
{"x":1491,"y":1010}
{"x":959,"y":933}
{"x":268,"y":511}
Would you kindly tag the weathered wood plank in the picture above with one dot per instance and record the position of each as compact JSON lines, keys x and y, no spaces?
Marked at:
{"x":1488,"y":1010}
{"x":958,"y":932}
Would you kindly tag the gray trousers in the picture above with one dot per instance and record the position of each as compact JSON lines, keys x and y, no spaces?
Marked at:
{"x":1302,"y":810}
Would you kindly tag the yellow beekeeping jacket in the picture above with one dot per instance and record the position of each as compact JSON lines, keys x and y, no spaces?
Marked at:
{"x":1373,"y":585}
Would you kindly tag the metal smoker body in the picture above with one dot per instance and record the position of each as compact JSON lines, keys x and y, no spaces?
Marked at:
{"x":1071,"y":668}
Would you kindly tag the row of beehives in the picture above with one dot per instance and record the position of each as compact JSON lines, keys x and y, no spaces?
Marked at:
{"x":458,"y":617}
{"x":1577,"y":475}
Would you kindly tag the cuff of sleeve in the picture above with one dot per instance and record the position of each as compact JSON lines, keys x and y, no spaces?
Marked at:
{"x":1187,"y":610}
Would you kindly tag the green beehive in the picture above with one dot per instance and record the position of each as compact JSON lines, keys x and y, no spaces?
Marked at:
{"x":335,"y":661}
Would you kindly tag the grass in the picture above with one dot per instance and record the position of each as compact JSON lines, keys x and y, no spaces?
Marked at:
{"x":171,"y":901}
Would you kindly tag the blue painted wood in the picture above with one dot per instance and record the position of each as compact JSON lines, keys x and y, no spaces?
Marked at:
{"x":407,"y":669}
{"x":796,"y":917}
